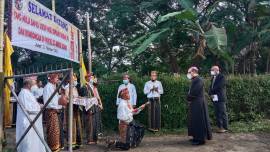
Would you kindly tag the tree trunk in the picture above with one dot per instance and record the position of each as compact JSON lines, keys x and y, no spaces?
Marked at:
{"x":173,"y":63}
{"x":167,"y":51}
{"x":267,"y":63}
{"x":253,"y":59}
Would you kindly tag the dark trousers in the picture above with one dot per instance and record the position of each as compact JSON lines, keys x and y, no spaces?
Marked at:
{"x":62,"y":134}
{"x":154,"y":113}
{"x":221,"y":114}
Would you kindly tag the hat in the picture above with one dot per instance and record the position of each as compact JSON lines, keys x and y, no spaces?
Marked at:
{"x":123,"y":93}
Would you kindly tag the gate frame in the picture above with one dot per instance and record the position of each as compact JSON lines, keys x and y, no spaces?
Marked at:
{"x":68,"y":73}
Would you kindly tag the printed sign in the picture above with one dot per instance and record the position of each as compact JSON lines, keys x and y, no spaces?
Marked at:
{"x":37,"y":28}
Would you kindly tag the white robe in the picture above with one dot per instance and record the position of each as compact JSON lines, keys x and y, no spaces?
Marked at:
{"x":31,"y":142}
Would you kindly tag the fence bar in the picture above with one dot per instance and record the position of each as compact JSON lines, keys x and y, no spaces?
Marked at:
{"x":37,"y":74}
{"x":28,"y":117}
{"x":70,"y":118}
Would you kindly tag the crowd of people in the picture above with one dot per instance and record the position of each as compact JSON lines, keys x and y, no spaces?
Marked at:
{"x":87,"y":126}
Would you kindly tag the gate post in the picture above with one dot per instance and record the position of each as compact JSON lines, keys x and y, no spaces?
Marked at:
{"x":1,"y":110}
{"x":70,"y":112}
{"x":2,"y":10}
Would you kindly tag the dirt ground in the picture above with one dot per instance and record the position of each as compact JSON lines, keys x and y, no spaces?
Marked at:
{"x":228,"y":142}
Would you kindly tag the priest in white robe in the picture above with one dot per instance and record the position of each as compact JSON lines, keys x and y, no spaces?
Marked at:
{"x":31,"y":142}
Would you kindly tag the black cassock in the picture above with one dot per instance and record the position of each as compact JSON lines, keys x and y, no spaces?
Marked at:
{"x":199,"y":125}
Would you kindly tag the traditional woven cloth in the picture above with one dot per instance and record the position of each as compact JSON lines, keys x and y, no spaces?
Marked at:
{"x":53,"y":130}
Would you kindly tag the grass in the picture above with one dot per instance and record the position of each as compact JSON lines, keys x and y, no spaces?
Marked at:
{"x":251,"y":127}
{"x":257,"y":126}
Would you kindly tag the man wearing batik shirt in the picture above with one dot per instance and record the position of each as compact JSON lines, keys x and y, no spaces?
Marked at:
{"x":153,"y":89}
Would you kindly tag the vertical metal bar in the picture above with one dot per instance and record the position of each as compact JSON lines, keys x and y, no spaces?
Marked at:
{"x":53,"y":5}
{"x":89,"y":42}
{"x":1,"y":109}
{"x":70,"y":110}
{"x":28,"y":118}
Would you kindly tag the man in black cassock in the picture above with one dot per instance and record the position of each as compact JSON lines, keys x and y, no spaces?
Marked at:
{"x":199,"y":126}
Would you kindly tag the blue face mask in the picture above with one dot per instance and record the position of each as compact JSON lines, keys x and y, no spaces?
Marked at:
{"x":125,"y":82}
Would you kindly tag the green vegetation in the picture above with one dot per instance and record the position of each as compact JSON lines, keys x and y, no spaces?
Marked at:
{"x":248,"y":100}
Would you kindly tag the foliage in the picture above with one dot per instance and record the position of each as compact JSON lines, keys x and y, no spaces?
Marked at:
{"x":248,"y":99}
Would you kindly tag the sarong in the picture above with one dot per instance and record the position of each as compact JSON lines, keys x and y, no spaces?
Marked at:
{"x":154,"y":115}
{"x":77,"y":126}
{"x":53,"y":129}
{"x":93,"y":123}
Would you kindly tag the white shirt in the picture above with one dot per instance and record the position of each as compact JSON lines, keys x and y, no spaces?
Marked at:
{"x":123,"y":112}
{"x":47,"y":92}
{"x":153,"y":94}
{"x":132,"y":93}
{"x":31,"y":142}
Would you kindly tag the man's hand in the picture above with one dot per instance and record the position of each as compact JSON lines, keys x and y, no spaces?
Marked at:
{"x":100,"y":106}
{"x":142,"y":106}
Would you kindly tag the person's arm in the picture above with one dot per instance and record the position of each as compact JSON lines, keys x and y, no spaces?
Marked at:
{"x":146,"y":89}
{"x":99,"y":100}
{"x":134,"y":95}
{"x":29,"y":103}
{"x":45,"y":95}
{"x":219,"y":85}
{"x":117,"y":98}
{"x":160,"y":88}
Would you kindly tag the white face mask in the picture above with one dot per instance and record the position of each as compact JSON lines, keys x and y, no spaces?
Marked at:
{"x":75,"y":83}
{"x":189,"y":76}
{"x":91,"y":81}
{"x":213,"y":73}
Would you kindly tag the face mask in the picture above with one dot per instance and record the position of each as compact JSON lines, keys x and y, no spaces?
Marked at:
{"x":75,"y":83}
{"x":189,"y":76}
{"x":91,"y":81}
{"x":125,"y":82}
{"x":213,"y":73}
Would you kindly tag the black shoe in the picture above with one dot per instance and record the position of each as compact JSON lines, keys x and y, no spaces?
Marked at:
{"x":196,"y":143}
{"x":192,"y":140}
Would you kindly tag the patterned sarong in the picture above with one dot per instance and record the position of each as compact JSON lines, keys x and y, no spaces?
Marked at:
{"x":53,"y":129}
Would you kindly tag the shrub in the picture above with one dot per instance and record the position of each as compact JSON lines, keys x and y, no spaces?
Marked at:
{"x":248,"y":99}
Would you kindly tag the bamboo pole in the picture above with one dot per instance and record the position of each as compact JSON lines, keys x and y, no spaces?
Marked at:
{"x":2,"y":11}
{"x":89,"y":42}
{"x":53,"y":5}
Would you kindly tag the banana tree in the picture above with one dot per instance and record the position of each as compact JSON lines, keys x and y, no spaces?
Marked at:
{"x":186,"y":20}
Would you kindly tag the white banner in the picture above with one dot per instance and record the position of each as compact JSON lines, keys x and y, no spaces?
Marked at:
{"x":37,"y":28}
